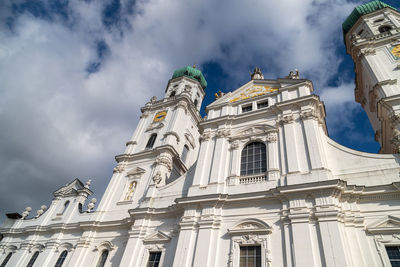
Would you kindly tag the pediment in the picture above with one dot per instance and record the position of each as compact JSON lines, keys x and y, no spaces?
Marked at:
{"x":253,"y":131}
{"x":388,"y":224}
{"x":157,"y":237}
{"x":70,"y":189}
{"x":250,"y":226}
{"x":249,"y":90}
{"x":135,"y":172}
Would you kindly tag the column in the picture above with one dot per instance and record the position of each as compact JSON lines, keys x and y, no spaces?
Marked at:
{"x":312,"y":132}
{"x":207,"y":241}
{"x":273,"y":157}
{"x":204,"y":160}
{"x":219,"y":158}
{"x":290,"y":144}
{"x":187,"y":239}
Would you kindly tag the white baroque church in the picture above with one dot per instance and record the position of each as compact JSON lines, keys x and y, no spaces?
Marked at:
{"x":257,"y":182}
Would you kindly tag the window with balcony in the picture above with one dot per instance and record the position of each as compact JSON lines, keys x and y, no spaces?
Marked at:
{"x":253,"y":159}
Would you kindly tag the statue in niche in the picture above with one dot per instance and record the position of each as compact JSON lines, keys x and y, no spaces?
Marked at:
{"x":131,"y":190}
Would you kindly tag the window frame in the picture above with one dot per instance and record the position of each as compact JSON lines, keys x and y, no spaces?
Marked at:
{"x":250,"y":159}
{"x":61,"y":259}
{"x":148,"y":258}
{"x":101,"y":262}
{"x":263,"y":104}
{"x":250,"y":232}
{"x":246,"y":108}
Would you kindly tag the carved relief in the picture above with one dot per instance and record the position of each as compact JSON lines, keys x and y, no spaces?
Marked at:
{"x":223,"y":133}
{"x":272,"y":137}
{"x":157,"y":178}
{"x":173,"y":134}
{"x":285,"y":119}
{"x":205,"y":136}
{"x":153,"y":126}
{"x":165,"y":161}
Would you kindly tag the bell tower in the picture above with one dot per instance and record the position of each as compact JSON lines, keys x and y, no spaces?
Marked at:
{"x":372,"y":38}
{"x":164,"y":145}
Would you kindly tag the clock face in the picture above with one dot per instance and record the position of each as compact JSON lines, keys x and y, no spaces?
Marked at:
{"x":160,"y":116}
{"x":396,"y":51}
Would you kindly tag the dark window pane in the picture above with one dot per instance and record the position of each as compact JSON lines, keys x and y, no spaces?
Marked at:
{"x":33,"y":259}
{"x":3,"y":264}
{"x":154,"y":259}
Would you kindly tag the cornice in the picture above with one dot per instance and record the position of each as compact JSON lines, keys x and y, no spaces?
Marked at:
{"x":151,"y":153}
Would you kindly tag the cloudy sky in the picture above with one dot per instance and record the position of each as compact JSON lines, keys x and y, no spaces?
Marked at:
{"x":74,"y":73}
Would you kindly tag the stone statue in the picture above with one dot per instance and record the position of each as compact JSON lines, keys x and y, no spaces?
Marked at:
{"x":91,"y":205}
{"x":157,"y":178}
{"x":293,"y":75}
{"x":219,"y":94}
{"x":43,"y":208}
{"x":26,"y":212}
{"x":87,"y":185}
{"x":257,"y":74}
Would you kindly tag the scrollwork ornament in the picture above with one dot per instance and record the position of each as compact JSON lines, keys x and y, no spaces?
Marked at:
{"x":205,"y":136}
{"x":272,"y":137}
{"x":223,"y":133}
{"x":164,"y":161}
{"x":234,"y":145}
{"x":119,"y":168}
{"x":285,"y":119}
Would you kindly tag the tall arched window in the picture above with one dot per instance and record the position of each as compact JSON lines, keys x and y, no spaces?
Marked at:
{"x":61,"y":259}
{"x":4,"y":263}
{"x":151,"y":141}
{"x":185,"y":152}
{"x":33,"y":259}
{"x":172,"y":94}
{"x":103,"y":258}
{"x":196,"y":102}
{"x":66,"y":204}
{"x":253,"y":159}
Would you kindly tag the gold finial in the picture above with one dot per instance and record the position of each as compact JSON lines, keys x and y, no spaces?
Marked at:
{"x":194,"y":66}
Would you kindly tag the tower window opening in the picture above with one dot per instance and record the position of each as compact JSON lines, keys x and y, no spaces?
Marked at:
{"x":253,"y":159}
{"x":33,"y":259}
{"x":151,"y":141}
{"x":185,"y":152}
{"x":5,"y":261}
{"x":247,"y":109}
{"x":172,"y":94}
{"x":61,"y":259}
{"x":66,"y":204}
{"x":384,"y":28}
{"x":103,"y":258}
{"x":196,"y":102}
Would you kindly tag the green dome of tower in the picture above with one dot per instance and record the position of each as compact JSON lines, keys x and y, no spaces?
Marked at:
{"x":191,"y":73}
{"x":362,"y":10}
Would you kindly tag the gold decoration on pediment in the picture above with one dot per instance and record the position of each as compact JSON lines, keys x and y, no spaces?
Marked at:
{"x":254,"y":91}
{"x":396,"y":51}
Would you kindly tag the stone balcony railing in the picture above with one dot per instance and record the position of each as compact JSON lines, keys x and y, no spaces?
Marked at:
{"x":253,"y":179}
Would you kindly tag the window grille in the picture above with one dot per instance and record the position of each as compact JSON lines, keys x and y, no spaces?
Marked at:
{"x":253,"y":159}
{"x":394,"y":255}
{"x":154,"y":259}
{"x":250,"y":256}
{"x":262,"y":104}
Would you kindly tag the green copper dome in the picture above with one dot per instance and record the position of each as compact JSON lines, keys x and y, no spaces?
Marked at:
{"x":191,"y":73}
{"x":360,"y":11}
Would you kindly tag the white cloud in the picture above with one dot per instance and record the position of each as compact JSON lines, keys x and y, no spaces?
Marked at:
{"x":58,"y":122}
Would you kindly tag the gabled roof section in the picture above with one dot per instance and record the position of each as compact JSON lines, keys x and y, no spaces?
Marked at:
{"x":388,"y":224}
{"x":362,"y":10}
{"x":72,"y":189}
{"x":251,"y":89}
{"x":157,"y":237}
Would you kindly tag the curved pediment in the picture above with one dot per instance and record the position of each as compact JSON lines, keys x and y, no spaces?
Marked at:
{"x":253,"y":130}
{"x":250,"y":226}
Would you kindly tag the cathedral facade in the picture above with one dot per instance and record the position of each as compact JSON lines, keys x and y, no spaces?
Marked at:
{"x":258,"y":182}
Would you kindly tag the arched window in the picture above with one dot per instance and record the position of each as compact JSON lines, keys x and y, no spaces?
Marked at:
{"x":185,"y":152}
{"x":151,"y":141}
{"x":253,"y":159}
{"x":4,"y":263}
{"x":61,"y":259}
{"x":384,"y":28}
{"x":103,"y":258}
{"x":196,"y":102}
{"x":66,"y":204}
{"x":33,"y":259}
{"x":172,"y":94}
